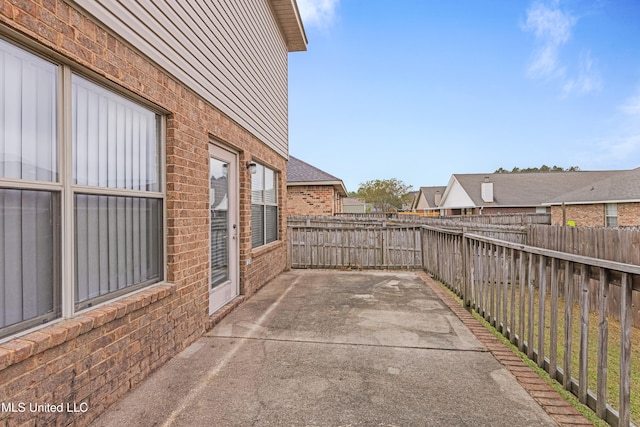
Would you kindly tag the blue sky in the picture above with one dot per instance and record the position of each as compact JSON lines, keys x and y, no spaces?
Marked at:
{"x":422,"y":89}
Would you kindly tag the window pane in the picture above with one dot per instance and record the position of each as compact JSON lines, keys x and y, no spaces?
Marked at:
{"x":270,"y":196}
{"x":28,"y":129}
{"x":118,"y":244}
{"x":257,"y":225}
{"x":218,"y":209}
{"x":264,"y":209}
{"x":257,"y":184}
{"x":28,"y":265}
{"x":271,"y":224}
{"x":115,"y":140}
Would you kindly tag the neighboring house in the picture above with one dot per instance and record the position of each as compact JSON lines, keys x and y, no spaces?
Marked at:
{"x":353,"y":205}
{"x":427,"y":200}
{"x":610,"y":202}
{"x":311,"y":191}
{"x":142,"y":185}
{"x":508,"y":193}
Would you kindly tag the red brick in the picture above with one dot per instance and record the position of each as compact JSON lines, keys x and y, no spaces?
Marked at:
{"x":111,"y":348}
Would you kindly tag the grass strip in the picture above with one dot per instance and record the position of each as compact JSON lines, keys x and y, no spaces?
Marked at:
{"x":566,"y":395}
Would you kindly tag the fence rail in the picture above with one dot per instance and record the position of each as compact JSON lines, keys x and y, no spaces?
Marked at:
{"x":526,"y":293}
{"x":553,"y":305}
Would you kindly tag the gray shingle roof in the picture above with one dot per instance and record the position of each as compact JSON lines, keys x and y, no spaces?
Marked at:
{"x":302,"y":173}
{"x":529,"y":189}
{"x":299,"y":171}
{"x":430,"y":194}
{"x":622,"y":187}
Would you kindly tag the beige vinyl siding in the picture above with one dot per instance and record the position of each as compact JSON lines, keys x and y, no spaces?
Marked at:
{"x":232,"y":53}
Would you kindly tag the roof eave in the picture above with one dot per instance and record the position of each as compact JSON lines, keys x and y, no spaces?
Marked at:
{"x":593,"y":202}
{"x":290,"y":23}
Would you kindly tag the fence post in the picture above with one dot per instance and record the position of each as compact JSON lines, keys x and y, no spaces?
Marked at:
{"x":465,"y":269}
{"x":583,"y":359}
{"x":626,"y":286}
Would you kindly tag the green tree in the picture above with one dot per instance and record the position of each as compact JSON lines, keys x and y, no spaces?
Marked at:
{"x":385,"y":195}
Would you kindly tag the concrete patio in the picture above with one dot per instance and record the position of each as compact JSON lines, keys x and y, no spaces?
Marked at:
{"x":332,"y":348}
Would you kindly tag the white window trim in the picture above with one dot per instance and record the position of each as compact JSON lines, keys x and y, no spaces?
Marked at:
{"x":264,"y":204}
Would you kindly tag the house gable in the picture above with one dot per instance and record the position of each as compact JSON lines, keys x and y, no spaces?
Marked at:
{"x":456,"y":196}
{"x":421,"y":201}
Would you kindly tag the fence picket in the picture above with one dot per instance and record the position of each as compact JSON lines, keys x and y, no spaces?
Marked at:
{"x":583,"y":360}
{"x":542,"y":300}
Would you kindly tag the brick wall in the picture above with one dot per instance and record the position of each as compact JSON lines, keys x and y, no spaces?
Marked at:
{"x":594,"y":215}
{"x":312,"y":200}
{"x":582,"y":215}
{"x":628,"y":214}
{"x":94,"y":358}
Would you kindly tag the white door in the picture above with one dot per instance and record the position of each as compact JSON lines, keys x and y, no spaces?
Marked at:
{"x":223,"y":211}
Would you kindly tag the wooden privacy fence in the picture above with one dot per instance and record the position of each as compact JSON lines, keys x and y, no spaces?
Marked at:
{"x":613,"y":244}
{"x":355,"y":247}
{"x":539,"y":300}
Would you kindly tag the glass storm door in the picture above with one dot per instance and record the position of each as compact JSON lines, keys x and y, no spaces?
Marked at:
{"x":223,"y":281}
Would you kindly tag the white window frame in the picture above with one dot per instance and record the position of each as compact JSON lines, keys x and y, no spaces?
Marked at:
{"x":65,"y":191}
{"x":261,"y":170}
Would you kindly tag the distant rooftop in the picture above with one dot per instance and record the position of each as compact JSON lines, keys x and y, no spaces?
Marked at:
{"x":529,"y":189}
{"x":302,"y":173}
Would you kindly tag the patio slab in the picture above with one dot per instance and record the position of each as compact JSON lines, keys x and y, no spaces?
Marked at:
{"x":332,"y":348}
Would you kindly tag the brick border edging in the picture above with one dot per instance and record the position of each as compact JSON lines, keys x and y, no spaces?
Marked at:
{"x":550,"y":400}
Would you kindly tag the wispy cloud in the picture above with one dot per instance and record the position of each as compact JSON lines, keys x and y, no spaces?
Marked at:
{"x":318,"y":13}
{"x":588,"y":79}
{"x":553,"y":28}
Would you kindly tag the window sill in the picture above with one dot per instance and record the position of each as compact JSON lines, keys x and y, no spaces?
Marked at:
{"x":32,"y":343}
{"x":256,"y":252}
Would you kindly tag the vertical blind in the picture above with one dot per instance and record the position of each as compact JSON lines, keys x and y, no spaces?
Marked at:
{"x":117,"y":237}
{"x":115,"y":140}
{"x":116,"y":243}
{"x":28,"y":130}
{"x":27,"y":244}
{"x":29,"y":238}
{"x":115,"y":186}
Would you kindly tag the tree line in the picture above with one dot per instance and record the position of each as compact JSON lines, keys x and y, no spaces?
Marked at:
{"x":543,"y":168}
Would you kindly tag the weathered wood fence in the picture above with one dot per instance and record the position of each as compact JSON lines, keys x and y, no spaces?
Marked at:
{"x":613,"y":244}
{"x":355,"y":247}
{"x":531,"y":295}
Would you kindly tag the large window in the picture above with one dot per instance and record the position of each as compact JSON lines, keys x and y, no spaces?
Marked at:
{"x":264,"y":206}
{"x":80,"y":216}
